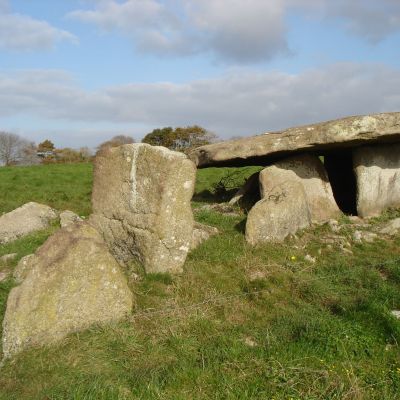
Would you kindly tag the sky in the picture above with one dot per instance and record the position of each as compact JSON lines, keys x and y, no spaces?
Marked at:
{"x":78,"y":72}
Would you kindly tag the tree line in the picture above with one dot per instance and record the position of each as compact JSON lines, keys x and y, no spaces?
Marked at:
{"x":15,"y":150}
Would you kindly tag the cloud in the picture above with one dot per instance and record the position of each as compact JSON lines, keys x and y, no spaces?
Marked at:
{"x":373,"y":20}
{"x":233,"y":30}
{"x":240,"y":103}
{"x":21,"y":32}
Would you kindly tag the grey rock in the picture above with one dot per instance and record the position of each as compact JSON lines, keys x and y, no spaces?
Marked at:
{"x":201,"y":233}
{"x":308,"y":171}
{"x":141,"y":205}
{"x":283,"y":211}
{"x":68,"y":217}
{"x":391,"y":228}
{"x":24,"y":220}
{"x":7,"y":258}
{"x":377,"y":170}
{"x":262,"y":149}
{"x":73,"y":283}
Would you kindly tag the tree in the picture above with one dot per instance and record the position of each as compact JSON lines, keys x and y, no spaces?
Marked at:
{"x":45,"y":146}
{"x":181,"y":138}
{"x":12,"y":148}
{"x":116,"y":141}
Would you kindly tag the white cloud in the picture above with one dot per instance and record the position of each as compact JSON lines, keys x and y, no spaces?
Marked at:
{"x":235,"y":104}
{"x":21,"y":32}
{"x":233,"y":30}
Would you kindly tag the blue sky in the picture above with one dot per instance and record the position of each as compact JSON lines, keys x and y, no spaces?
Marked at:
{"x":81,"y":71}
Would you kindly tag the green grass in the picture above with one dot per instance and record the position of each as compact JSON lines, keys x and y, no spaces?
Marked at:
{"x":62,"y":186}
{"x":239,"y":323}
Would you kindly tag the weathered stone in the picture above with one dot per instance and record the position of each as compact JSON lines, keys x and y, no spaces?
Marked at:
{"x":7,"y":258}
{"x":141,"y":204}
{"x":364,"y":236}
{"x":74,"y":282}
{"x":68,"y":217}
{"x":308,"y":171}
{"x":391,"y":228}
{"x":377,"y":170}
{"x":4,"y":274}
{"x":222,"y":208}
{"x":24,"y":220}
{"x":282,"y":211}
{"x":201,"y":233}
{"x":262,"y":149}
{"x":24,"y":265}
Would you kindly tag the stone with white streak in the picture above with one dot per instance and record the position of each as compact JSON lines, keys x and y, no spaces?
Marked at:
{"x":141,"y":204}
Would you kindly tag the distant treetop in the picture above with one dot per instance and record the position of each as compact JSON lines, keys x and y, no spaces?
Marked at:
{"x":181,"y":138}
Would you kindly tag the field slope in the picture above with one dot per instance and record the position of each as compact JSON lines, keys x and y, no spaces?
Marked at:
{"x":239,"y":323}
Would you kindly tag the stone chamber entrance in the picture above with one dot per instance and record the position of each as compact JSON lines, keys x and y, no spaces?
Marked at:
{"x":339,"y":167}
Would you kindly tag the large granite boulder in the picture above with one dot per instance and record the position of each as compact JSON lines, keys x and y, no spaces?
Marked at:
{"x":24,"y":220}
{"x":377,"y":170}
{"x":72,"y":282}
{"x":262,"y":149}
{"x":307,"y":170}
{"x":141,"y":204}
{"x":283,"y":211}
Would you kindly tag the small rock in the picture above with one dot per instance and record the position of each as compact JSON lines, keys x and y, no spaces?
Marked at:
{"x":396,"y":313}
{"x":357,"y":236}
{"x":201,"y":233}
{"x":334,"y":225}
{"x":391,"y":228}
{"x":31,"y":217}
{"x":248,"y":341}
{"x":4,"y":275}
{"x":7,"y":258}
{"x":68,"y":217}
{"x":310,"y":259}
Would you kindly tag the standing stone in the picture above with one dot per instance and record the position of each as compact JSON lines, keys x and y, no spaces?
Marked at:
{"x":141,"y":204}
{"x":308,"y":171}
{"x":283,"y":211}
{"x":377,"y":170}
{"x":73,"y":282}
{"x":24,"y":220}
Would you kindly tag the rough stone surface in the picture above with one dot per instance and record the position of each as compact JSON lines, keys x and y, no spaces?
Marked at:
{"x":74,"y":282}
{"x":308,"y":171}
{"x":377,"y":170}
{"x":7,"y":258}
{"x":141,"y":204}
{"x":4,"y":274}
{"x":24,"y":220}
{"x":201,"y":233}
{"x":261,"y":149}
{"x":68,"y":217}
{"x":24,"y":265}
{"x":364,"y":236}
{"x":283,"y":211}
{"x":391,"y":228}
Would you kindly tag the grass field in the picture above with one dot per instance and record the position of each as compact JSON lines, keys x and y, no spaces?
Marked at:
{"x":239,"y":323}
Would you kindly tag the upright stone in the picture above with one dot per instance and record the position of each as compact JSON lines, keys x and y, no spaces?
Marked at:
{"x":282,"y":211}
{"x":308,"y":171}
{"x":141,"y":204}
{"x":72,"y":283}
{"x":377,"y":170}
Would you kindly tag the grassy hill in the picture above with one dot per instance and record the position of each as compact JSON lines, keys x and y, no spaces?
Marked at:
{"x":239,"y":323}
